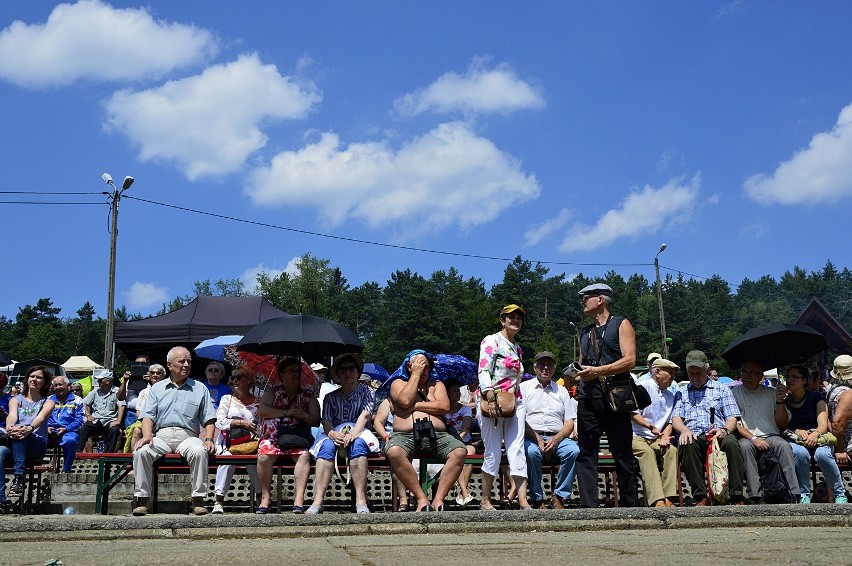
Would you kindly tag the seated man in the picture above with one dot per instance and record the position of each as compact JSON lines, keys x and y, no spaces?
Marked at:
{"x":104,"y":414}
{"x":175,"y":410}
{"x":419,"y":401}
{"x":65,"y":420}
{"x":345,"y":414}
{"x":550,"y":416}
{"x":764,"y":415}
{"x":652,"y":436}
{"x":703,"y":409}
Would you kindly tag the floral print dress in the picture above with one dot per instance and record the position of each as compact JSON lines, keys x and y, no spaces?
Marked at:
{"x":269,"y":428}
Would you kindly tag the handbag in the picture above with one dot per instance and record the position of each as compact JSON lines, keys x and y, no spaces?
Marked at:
{"x":717,"y":472}
{"x":619,"y":391}
{"x":238,"y":435}
{"x":503,"y":404}
{"x":294,"y":436}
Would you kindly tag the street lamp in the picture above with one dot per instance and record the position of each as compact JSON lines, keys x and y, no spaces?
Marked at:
{"x":114,"y":197}
{"x":660,"y":301}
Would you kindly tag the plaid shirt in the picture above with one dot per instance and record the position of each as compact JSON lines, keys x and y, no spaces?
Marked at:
{"x":693,"y":406}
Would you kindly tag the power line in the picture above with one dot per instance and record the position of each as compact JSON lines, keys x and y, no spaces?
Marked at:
{"x":44,"y":202}
{"x":373,"y":243}
{"x":50,"y":193}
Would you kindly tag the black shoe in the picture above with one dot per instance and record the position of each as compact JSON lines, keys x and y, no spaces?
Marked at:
{"x":17,"y":487}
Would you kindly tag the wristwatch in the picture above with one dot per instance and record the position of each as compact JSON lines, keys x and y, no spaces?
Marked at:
{"x":208,"y":439}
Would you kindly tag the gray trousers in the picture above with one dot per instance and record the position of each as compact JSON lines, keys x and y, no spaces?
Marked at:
{"x":168,"y":440}
{"x":785,"y":455}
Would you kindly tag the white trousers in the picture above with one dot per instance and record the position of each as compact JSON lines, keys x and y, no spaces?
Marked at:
{"x":169,"y":440}
{"x":225,"y":473}
{"x":509,"y":431}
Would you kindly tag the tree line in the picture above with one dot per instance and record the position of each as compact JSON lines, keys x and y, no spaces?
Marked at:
{"x":447,"y":312}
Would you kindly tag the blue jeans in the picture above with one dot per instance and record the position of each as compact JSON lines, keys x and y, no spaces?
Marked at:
{"x":824,"y":456}
{"x":566,"y":453}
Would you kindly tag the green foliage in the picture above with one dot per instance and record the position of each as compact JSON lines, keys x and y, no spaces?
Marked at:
{"x":449,"y":313}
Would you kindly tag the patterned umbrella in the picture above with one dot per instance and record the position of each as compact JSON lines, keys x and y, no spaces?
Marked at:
{"x":264,"y":368}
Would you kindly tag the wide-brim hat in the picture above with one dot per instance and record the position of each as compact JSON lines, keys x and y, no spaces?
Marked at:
{"x":353,"y":357}
{"x":842,"y":368}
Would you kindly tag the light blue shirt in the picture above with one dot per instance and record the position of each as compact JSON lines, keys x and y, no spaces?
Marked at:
{"x":187,"y":406}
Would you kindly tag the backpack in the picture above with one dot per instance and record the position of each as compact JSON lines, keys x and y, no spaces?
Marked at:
{"x":772,"y":481}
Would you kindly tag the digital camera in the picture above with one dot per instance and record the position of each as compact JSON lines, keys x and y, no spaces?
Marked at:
{"x":573,"y":369}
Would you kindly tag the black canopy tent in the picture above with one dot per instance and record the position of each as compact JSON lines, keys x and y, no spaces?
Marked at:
{"x":203,"y":318}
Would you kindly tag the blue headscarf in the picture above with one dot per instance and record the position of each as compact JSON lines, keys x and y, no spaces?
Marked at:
{"x":402,"y":372}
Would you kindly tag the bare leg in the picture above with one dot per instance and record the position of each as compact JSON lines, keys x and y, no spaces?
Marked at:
{"x":324,"y":469}
{"x":264,"y":477}
{"x":464,"y":477}
{"x":449,"y":474}
{"x":358,"y":469}
{"x":487,"y":485}
{"x":519,"y":484}
{"x":302,"y":471}
{"x":407,"y":475}
{"x":401,"y":492}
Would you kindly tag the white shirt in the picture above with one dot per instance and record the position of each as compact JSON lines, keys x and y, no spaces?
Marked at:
{"x":547,"y":409}
{"x":659,"y":412}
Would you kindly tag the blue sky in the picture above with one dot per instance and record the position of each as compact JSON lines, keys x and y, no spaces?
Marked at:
{"x":571,"y":133}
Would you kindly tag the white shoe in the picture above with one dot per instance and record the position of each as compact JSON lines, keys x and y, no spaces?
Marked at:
{"x":464,"y":501}
{"x":217,"y":509}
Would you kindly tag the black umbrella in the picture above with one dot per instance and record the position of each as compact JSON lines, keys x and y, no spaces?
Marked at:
{"x":300,"y":335}
{"x":775,"y":346}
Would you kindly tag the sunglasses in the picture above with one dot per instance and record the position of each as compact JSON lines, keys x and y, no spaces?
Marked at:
{"x":213,"y":370}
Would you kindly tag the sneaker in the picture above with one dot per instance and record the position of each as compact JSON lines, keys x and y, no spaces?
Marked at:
{"x":841,"y":500}
{"x":805,"y":499}
{"x":217,"y":509}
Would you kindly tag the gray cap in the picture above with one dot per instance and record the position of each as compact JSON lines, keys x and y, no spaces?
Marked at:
{"x":596,"y":289}
{"x":696,"y":358}
{"x":544,"y":354}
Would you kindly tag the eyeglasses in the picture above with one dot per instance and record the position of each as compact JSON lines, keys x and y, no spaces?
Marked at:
{"x":214,"y":370}
{"x":155,"y":372}
{"x":236,"y":377}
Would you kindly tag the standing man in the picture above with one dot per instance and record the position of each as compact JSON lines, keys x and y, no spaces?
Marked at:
{"x":704,"y":409}
{"x":551,"y":413}
{"x":764,"y":415}
{"x":174,"y":412}
{"x":104,"y":414}
{"x":607,"y":349}
{"x":65,"y":420}
{"x":652,"y":436}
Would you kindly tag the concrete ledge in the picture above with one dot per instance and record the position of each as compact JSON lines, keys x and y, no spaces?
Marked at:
{"x":251,"y":526}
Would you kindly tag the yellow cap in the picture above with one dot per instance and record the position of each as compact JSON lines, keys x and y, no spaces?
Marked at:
{"x":512,"y":308}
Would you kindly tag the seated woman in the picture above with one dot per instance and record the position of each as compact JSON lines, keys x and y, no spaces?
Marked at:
{"x":133,"y":433}
{"x":237,"y":410}
{"x":460,"y":419}
{"x":26,"y":424}
{"x":806,"y":431}
{"x":383,"y":425}
{"x":288,"y":410}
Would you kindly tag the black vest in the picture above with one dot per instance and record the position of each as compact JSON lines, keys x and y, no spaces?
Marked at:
{"x":610,"y":351}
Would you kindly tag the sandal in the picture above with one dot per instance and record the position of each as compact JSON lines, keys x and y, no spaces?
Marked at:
{"x":261,"y":510}
{"x":298,"y":510}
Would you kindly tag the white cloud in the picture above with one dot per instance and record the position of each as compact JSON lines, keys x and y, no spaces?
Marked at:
{"x":538,"y":232}
{"x":735,"y":7}
{"x":447,"y":176}
{"x":480,"y":90}
{"x":820,"y":173}
{"x":249,"y":276}
{"x":209,"y":124}
{"x":642,"y":212}
{"x":92,"y":40}
{"x":145,"y":295}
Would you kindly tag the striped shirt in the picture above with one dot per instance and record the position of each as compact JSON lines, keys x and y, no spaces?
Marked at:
{"x":339,"y":409}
